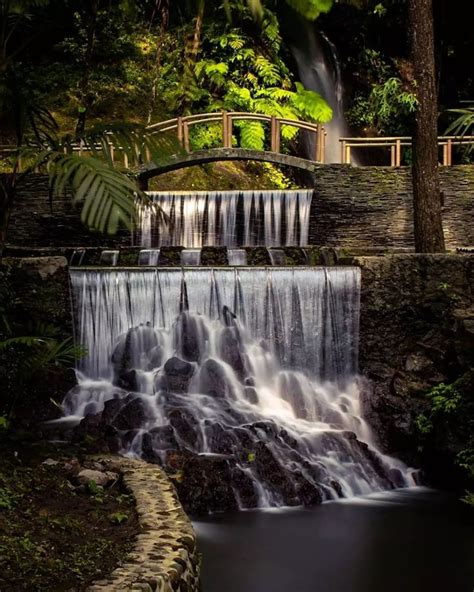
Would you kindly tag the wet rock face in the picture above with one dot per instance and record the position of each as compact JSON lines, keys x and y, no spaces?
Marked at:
{"x":177,"y":375}
{"x":191,"y":335}
{"x":416,"y":316}
{"x":214,"y":380}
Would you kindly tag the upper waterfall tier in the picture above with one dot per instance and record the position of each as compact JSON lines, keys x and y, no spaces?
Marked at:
{"x":227,"y":218}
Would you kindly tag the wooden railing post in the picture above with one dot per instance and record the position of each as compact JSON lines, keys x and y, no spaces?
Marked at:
{"x":348,"y":154}
{"x":392,"y":156}
{"x":449,"y":150}
{"x":179,"y":129}
{"x":275,"y":135}
{"x":343,"y":152}
{"x":229,"y":130}
{"x":445,"y":154}
{"x":317,"y":144}
{"x":323,"y":145}
{"x":398,"y":153}
{"x":224,"y":130}
{"x":186,"y":136}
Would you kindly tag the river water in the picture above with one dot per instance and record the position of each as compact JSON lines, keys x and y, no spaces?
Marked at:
{"x":412,"y":540}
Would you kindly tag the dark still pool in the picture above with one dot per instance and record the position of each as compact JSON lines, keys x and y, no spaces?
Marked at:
{"x":412,"y":540}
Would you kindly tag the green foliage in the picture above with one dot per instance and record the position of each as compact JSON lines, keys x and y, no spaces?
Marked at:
{"x":444,"y":400}
{"x":462,"y":126}
{"x":118,"y":517}
{"x":237,"y":73}
{"x":27,"y":348}
{"x":386,"y":108}
{"x":311,"y":9}
{"x":449,"y":423}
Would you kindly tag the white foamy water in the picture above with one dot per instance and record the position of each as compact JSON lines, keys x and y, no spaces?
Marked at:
{"x":258,"y":365}
{"x":269,"y":218}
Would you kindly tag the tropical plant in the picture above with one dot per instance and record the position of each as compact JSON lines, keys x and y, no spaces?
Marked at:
{"x":463,"y":125}
{"x":234,"y":72}
{"x":27,"y":348}
{"x":85,"y":165}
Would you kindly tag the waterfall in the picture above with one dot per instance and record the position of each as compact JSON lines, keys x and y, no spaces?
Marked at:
{"x":253,"y":367}
{"x":319,"y":70}
{"x":271,"y":218}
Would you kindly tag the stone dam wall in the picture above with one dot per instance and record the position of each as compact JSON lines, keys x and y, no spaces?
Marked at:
{"x":353,"y":208}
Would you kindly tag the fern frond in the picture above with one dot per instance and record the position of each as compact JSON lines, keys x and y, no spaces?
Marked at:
{"x":252,"y":135}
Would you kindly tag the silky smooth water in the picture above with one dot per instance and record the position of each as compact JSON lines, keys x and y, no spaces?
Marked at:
{"x":228,"y":218}
{"x":413,"y":540}
{"x":256,"y":364}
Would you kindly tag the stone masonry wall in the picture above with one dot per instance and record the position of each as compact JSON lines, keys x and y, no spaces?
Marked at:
{"x":352,"y":207}
{"x":360,"y":207}
{"x":165,"y":557}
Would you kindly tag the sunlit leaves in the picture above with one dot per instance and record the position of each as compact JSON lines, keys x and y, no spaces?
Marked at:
{"x":252,"y":135}
{"x":311,"y":9}
{"x":311,"y":105}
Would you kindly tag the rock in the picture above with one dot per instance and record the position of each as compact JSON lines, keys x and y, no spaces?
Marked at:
{"x":206,"y":483}
{"x":186,"y":426}
{"x":291,"y":390}
{"x":215,"y":381}
{"x":128,"y":380}
{"x":190,"y":337}
{"x":102,"y":479}
{"x":130,"y":354}
{"x":177,"y":374}
{"x":230,"y":350}
{"x":50,"y":462}
{"x":125,"y":414}
{"x":251,"y":395}
{"x":419,"y":363}
{"x":155,"y":357}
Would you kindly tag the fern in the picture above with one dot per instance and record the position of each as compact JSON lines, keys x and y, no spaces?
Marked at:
{"x":267,"y":70}
{"x":311,"y":105}
{"x":252,"y":135}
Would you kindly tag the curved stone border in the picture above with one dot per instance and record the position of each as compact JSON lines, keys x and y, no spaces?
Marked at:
{"x":165,"y":557}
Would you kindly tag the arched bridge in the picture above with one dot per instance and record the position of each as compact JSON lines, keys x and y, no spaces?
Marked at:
{"x":273,"y":126}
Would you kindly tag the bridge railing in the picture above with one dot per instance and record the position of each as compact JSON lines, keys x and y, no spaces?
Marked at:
{"x":396,"y":145}
{"x":183,"y":125}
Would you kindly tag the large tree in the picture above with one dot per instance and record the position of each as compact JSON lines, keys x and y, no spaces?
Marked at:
{"x":426,"y":189}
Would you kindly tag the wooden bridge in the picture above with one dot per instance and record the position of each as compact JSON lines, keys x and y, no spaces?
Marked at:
{"x":393,"y":147}
{"x":229,"y":151}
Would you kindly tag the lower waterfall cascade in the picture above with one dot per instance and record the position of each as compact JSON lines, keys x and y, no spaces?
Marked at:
{"x":252,"y":368}
{"x":210,"y":218}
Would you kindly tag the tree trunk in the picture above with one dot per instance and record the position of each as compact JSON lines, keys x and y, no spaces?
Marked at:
{"x":426,"y":190}
{"x":193,"y":46}
{"x":163,"y":6}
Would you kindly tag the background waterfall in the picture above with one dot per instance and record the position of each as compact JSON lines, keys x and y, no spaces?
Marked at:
{"x":252,"y":367}
{"x":229,"y":218}
{"x":319,"y":70}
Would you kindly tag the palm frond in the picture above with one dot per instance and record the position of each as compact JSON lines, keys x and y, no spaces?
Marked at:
{"x":463,"y":124}
{"x":108,"y":197}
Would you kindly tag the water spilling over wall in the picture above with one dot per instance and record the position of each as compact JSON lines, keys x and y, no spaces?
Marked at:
{"x":246,"y":376}
{"x":270,"y":218}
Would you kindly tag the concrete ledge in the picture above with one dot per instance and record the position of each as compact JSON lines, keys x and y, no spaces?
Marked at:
{"x":165,"y":557}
